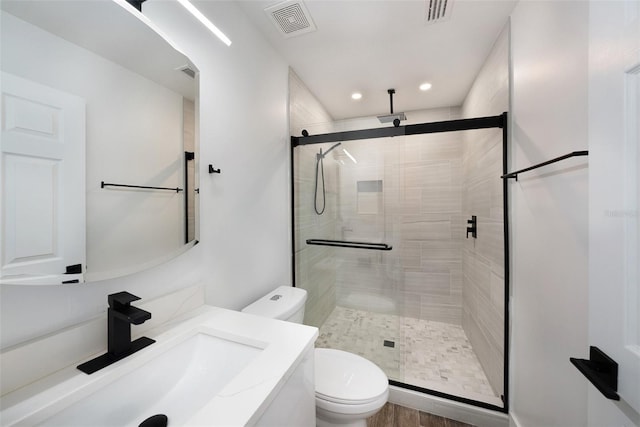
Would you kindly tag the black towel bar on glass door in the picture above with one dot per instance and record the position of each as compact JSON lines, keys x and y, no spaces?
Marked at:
{"x":106,"y":184}
{"x":349,"y":244}
{"x":548,"y":162}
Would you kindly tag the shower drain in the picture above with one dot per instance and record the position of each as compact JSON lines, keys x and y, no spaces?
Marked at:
{"x":388,"y":343}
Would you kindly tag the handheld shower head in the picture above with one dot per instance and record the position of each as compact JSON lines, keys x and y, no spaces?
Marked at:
{"x":323,"y":155}
{"x":334,"y":146}
{"x":320,"y":170}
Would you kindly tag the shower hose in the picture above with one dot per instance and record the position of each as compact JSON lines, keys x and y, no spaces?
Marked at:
{"x":319,"y":169}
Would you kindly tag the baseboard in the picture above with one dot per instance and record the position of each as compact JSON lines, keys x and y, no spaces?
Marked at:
{"x":469,"y":414}
{"x":513,"y":420}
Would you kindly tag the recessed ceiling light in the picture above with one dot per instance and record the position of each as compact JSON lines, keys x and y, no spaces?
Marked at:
{"x":356,"y":96}
{"x":425,"y":86}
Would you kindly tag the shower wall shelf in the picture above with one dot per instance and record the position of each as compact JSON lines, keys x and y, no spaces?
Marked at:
{"x":107,"y":184}
{"x":348,"y":244}
{"x":548,"y":162}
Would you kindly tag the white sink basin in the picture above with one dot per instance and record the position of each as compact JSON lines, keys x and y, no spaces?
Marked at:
{"x":176,"y":383}
{"x":212,"y":367}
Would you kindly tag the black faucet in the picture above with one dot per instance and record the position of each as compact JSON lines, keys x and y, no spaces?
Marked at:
{"x":120,"y":315}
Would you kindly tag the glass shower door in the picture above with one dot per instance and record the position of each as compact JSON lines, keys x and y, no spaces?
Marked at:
{"x":345,"y":256}
{"x":420,"y":293}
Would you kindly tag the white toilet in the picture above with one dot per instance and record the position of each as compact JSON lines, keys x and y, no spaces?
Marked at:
{"x":349,"y":388}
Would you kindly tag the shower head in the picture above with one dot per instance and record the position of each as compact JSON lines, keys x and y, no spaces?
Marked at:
{"x":391,"y":117}
{"x":395,"y":118}
{"x":334,"y":146}
{"x":322,"y":155}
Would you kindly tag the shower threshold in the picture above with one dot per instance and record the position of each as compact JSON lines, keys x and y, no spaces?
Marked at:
{"x":427,"y":356}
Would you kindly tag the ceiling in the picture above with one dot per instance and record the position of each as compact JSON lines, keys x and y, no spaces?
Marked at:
{"x":90,"y":24}
{"x":370,"y":46}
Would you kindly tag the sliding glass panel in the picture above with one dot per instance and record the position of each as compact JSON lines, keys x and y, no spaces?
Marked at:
{"x":430,"y":310}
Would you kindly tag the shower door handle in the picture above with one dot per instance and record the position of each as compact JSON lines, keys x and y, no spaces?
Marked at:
{"x":350,"y":244}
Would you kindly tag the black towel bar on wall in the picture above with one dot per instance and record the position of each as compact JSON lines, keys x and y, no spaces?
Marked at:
{"x":548,"y":162}
{"x":347,"y":244}
{"x":107,"y":184}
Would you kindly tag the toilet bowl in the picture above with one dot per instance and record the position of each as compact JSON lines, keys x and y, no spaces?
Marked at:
{"x":349,"y":388}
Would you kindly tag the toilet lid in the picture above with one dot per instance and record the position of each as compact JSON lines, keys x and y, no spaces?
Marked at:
{"x":347,"y":378}
{"x":278,"y":304}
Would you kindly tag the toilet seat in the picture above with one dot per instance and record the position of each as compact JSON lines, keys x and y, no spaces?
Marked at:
{"x":347,"y":379}
{"x":363,"y":410}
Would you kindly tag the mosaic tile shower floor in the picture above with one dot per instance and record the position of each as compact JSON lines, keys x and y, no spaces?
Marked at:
{"x":432,"y":355}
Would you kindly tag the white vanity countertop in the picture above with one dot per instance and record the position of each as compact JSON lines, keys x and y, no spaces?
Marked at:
{"x":241,"y":402}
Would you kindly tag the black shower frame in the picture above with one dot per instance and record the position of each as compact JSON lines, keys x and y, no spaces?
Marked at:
{"x":490,"y":122}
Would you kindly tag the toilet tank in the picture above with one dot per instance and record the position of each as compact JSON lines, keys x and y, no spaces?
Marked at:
{"x":284,"y":303}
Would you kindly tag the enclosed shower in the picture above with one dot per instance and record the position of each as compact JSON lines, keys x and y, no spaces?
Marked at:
{"x":399,"y":237}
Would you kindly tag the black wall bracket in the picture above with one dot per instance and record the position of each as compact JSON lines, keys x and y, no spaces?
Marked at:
{"x":212,"y":170}
{"x":601,"y":370}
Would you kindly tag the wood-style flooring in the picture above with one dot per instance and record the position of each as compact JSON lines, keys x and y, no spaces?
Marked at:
{"x":392,"y":415}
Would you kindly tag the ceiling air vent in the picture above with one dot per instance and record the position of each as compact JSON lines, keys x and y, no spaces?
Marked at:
{"x":291,"y":18}
{"x":438,"y":11}
{"x":188,"y":71}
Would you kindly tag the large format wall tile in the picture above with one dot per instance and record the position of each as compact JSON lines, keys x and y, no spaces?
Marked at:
{"x":315,"y":266}
{"x":483,"y":258}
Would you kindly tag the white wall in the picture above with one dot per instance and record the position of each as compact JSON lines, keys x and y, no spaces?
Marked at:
{"x":549,"y":230}
{"x":614,"y":204}
{"x":245,"y":236}
{"x":245,"y":210}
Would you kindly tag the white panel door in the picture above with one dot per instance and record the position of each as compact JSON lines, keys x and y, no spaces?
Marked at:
{"x":42,"y":181}
{"x":614,"y":183}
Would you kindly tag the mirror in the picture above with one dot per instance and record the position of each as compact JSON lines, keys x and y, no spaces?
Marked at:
{"x":99,"y":143}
